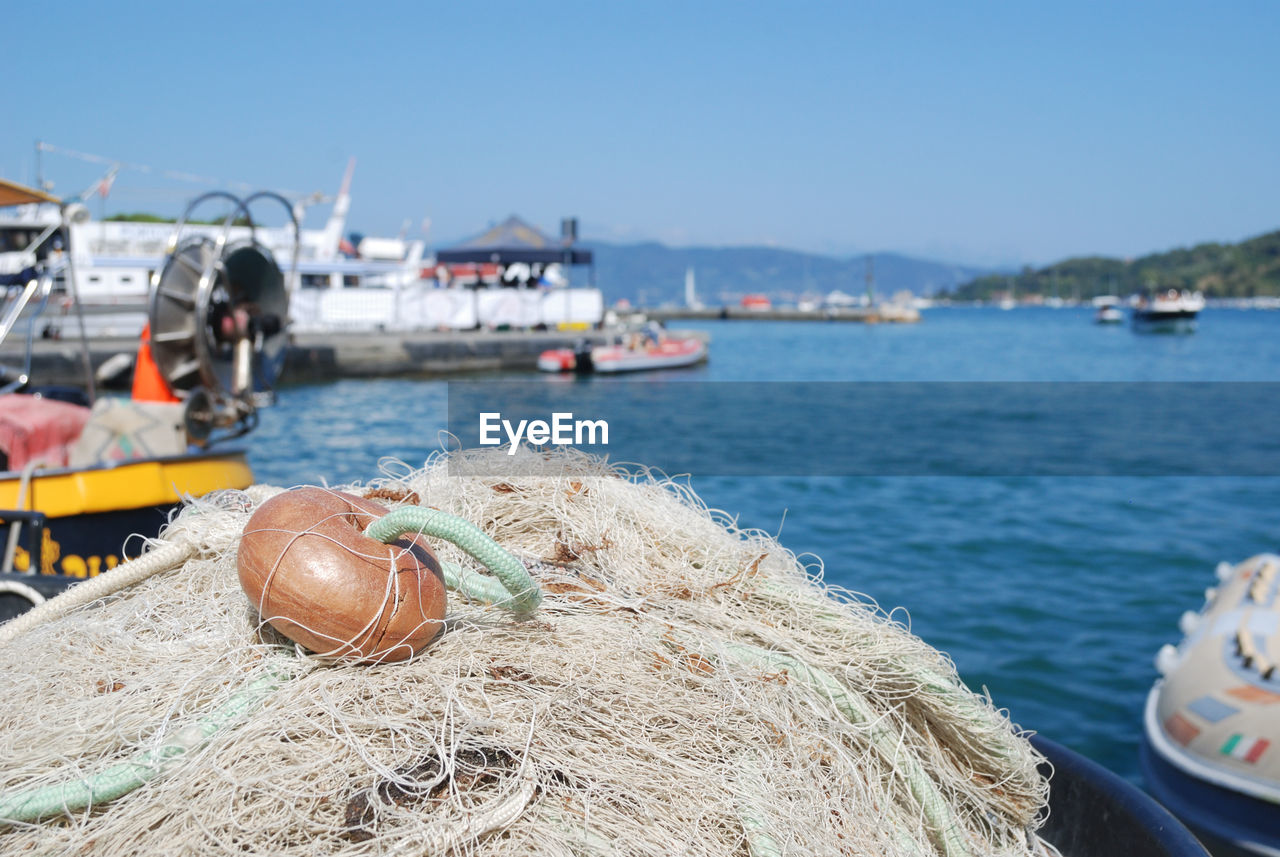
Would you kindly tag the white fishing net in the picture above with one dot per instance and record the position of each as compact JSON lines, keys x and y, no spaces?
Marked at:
{"x":685,"y":688}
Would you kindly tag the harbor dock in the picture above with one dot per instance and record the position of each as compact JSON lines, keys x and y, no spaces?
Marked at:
{"x":330,"y":355}
{"x":888,"y":314}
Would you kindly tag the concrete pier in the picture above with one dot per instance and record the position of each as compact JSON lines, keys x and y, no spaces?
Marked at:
{"x":865,"y":315}
{"x":328,"y":356}
{"x":323,"y":356}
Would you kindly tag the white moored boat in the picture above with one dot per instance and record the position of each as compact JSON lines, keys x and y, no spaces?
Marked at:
{"x":666,"y":354}
{"x":641,"y":352}
{"x":78,"y":473}
{"x":112,"y":266}
{"x":1107,"y":310}
{"x":1171,"y":311}
{"x":1108,"y":315}
{"x":339,"y":284}
{"x":1212,"y":723}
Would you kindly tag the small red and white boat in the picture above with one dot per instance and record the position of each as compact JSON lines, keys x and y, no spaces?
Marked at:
{"x":635,"y":356}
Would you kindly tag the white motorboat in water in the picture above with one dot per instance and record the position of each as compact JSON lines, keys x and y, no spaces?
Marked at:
{"x":1109,"y":315}
{"x":1212,"y":722}
{"x":665,"y":354}
{"x":1107,"y":310}
{"x":640,"y":351}
{"x":1171,"y":311}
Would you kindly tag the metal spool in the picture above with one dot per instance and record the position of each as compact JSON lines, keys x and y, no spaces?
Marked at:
{"x":218,"y":317}
{"x":193,"y":315}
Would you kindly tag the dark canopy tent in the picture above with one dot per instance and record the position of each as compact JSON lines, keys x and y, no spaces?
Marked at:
{"x":513,"y":241}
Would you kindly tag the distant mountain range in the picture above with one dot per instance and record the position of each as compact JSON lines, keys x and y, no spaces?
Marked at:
{"x":652,"y":274}
{"x":1248,"y":269}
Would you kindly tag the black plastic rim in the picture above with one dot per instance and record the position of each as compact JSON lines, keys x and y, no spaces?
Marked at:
{"x":1094,"y":813}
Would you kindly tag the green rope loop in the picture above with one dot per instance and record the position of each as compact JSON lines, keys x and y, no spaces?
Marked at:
{"x":514,"y":589}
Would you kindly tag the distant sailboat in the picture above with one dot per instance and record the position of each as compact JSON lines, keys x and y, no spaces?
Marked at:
{"x":1010,"y":300}
{"x":1108,"y":310}
{"x":690,"y":291}
{"x":1054,"y":302}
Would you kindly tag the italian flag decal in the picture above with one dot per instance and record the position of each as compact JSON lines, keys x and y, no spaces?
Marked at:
{"x":1245,"y":749}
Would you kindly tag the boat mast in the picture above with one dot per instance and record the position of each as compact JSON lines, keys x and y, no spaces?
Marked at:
{"x":336,"y":223}
{"x":871,"y":279}
{"x":690,"y":290}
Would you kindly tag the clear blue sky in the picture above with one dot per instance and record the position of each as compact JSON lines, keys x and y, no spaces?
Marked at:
{"x":975,"y":132}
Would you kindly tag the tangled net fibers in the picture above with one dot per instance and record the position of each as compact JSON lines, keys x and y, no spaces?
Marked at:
{"x":685,"y":687}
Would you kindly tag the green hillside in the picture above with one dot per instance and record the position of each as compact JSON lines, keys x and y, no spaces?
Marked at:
{"x":1248,"y":269}
{"x":148,"y":217}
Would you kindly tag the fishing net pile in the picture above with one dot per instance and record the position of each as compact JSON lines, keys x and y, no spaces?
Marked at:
{"x":685,"y":687}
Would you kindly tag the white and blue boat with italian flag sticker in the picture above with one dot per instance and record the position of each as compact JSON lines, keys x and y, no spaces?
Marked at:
{"x":1211,"y":752}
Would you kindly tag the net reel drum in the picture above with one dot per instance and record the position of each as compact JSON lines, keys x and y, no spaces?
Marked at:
{"x":219,"y":313}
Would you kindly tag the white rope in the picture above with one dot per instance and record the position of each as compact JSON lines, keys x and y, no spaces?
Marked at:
{"x":158,"y":559}
{"x":443,"y":839}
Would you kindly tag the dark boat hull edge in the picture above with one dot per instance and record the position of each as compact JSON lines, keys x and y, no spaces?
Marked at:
{"x":1094,"y":813}
{"x":1175,"y":321}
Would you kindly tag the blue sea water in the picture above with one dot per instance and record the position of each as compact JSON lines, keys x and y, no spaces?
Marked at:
{"x":1052,"y":593}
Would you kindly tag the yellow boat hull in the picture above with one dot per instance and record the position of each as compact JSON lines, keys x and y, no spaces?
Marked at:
{"x":90,"y":512}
